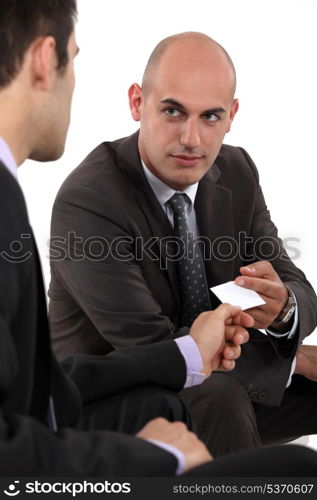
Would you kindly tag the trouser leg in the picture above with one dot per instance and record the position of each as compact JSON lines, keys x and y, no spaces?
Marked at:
{"x":296,"y":416}
{"x":129,"y":411}
{"x":223,"y":414}
{"x":275,"y":461}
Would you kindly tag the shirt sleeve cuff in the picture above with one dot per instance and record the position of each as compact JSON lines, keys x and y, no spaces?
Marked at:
{"x":194,"y":364}
{"x":290,"y":334}
{"x":291,"y":372}
{"x":180,"y":457}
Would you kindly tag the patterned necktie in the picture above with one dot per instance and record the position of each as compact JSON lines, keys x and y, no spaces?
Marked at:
{"x":190,"y":265}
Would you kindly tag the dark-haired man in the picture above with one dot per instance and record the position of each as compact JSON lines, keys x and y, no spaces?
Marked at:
{"x":174,"y":177}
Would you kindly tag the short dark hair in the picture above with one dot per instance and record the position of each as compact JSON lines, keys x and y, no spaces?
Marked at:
{"x":22,"y":21}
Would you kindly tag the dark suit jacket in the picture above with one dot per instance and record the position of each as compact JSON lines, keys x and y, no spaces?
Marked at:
{"x":29,"y":373}
{"x":107,"y":290}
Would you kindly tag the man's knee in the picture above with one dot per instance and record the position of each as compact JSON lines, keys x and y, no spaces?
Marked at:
{"x":223,"y":414}
{"x":159,"y":402}
{"x":220,"y":393}
{"x":129,"y":411}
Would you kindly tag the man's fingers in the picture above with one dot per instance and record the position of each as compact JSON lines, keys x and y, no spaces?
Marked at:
{"x":236,"y":334}
{"x":229,"y":321}
{"x":232,"y":352}
{"x":266,"y":288}
{"x":260,"y":269}
{"x":241,"y":336}
{"x":243,"y":319}
{"x":227,"y":365}
{"x":260,"y":317}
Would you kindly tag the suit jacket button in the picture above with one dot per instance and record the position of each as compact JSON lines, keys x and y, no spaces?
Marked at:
{"x":261,"y":395}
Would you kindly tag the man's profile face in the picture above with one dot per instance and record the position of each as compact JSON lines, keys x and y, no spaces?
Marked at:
{"x":64,"y":93}
{"x":186,"y":113}
{"x":56,"y":111}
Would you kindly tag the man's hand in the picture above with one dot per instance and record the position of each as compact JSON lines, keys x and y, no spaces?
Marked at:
{"x":262,"y":278}
{"x":219,"y":334}
{"x":306,"y":362}
{"x":176,"y":434}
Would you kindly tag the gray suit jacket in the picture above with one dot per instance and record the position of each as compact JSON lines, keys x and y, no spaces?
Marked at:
{"x":109,"y":291}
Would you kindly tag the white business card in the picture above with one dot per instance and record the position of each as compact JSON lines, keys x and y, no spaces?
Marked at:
{"x":237,"y":296}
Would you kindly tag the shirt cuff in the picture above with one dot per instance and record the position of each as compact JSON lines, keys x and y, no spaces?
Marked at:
{"x":290,"y":334}
{"x":194,"y":363}
{"x":180,"y":457}
{"x":291,"y":372}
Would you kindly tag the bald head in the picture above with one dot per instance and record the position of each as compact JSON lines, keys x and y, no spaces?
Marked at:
{"x":187,"y":48}
{"x":185,"y":107}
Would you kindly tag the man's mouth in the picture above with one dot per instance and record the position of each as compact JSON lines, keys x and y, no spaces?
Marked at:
{"x":186,"y":160}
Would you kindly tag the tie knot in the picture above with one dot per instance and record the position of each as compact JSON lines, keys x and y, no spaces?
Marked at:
{"x":178,"y":203}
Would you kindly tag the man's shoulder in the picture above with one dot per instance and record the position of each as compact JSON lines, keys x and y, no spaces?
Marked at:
{"x":99,"y":170}
{"x":236,"y":154}
{"x":8,"y":182}
{"x":14,"y":225}
{"x":12,"y":201}
{"x":235,"y":163}
{"x":98,"y":161}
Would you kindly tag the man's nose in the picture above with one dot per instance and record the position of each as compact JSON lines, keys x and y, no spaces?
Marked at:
{"x":190,"y":137}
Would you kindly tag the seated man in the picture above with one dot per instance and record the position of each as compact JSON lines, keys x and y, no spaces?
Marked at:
{"x":42,"y":407}
{"x":147,"y":224}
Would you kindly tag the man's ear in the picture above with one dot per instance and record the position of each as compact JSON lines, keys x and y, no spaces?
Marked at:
{"x":135,"y":101}
{"x":44,"y":62}
{"x":233,"y":111}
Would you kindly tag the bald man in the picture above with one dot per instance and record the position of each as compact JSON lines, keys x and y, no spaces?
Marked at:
{"x":147,"y":224}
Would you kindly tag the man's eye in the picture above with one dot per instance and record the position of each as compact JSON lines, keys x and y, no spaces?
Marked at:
{"x":172,"y":112}
{"x":210,"y":117}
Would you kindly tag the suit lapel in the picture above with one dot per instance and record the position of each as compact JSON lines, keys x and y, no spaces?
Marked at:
{"x":128,"y":161}
{"x":214,"y":214}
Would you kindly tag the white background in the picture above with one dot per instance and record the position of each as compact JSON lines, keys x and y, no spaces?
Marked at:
{"x":273,"y":44}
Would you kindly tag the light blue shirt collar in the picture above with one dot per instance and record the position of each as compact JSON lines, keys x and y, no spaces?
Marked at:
{"x":163,"y":192}
{"x":7,"y":158}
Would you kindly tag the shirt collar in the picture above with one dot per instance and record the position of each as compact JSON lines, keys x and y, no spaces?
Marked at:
{"x":163,"y":192}
{"x":7,"y":158}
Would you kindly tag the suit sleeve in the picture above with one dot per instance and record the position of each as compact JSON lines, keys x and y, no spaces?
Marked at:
{"x":265,"y":362}
{"x":268,"y":246}
{"x":99,"y":274}
{"x":128,"y":368}
{"x":27,"y":448}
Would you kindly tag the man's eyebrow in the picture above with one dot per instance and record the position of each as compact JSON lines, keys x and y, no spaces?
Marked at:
{"x":173,"y":102}
{"x":213,"y":110}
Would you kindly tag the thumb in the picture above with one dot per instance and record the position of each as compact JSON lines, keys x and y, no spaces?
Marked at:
{"x":227,"y":311}
{"x":243,"y":319}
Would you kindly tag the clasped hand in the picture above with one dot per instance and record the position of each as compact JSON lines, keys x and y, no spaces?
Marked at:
{"x":219,"y":335}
